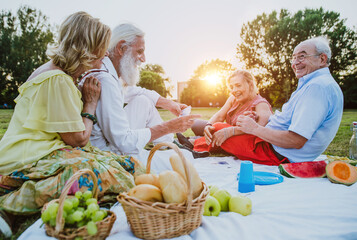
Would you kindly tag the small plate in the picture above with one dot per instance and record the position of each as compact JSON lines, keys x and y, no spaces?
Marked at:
{"x":266,"y":178}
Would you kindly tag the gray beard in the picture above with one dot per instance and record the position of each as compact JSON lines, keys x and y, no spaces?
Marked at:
{"x":129,"y":70}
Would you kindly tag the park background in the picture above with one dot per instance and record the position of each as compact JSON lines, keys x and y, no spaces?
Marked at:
{"x":191,"y":48}
{"x":192,"y":45}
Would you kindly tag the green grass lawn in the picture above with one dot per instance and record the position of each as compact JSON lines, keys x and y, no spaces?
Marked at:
{"x":5,"y":116}
{"x":338,"y":147}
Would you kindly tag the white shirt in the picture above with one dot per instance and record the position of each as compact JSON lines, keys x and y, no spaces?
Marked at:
{"x":112,"y":132}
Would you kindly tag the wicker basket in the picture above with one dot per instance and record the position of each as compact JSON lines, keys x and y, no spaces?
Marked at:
{"x":150,"y":220}
{"x":60,"y":232}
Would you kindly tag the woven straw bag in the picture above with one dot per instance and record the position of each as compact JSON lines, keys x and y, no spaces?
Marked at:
{"x":156,"y":220}
{"x":60,"y":232}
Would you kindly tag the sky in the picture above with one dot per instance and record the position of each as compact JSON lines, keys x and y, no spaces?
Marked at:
{"x":180,"y":35}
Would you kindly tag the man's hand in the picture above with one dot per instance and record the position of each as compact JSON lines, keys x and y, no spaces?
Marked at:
{"x":284,"y":139}
{"x":247,"y":124}
{"x":177,"y":112}
{"x":175,"y":125}
{"x":170,"y":105}
{"x":183,"y":123}
{"x":176,"y":108}
{"x":207,"y":133}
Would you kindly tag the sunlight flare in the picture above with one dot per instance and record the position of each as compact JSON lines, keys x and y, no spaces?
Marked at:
{"x":213,"y":78}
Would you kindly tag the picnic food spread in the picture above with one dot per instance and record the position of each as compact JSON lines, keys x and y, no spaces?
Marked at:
{"x":172,"y":187}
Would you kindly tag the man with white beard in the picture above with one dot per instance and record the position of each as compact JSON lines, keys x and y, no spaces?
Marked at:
{"x":126,"y":130}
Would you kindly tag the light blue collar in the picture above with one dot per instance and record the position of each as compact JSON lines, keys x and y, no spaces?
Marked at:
{"x":305,"y":79}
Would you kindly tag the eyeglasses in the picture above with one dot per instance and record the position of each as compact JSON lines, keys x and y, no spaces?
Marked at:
{"x":302,"y":57}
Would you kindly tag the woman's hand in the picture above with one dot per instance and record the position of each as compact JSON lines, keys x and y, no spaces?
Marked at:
{"x":90,"y":96}
{"x":246,"y":124}
{"x":219,"y":137}
{"x":207,"y":133}
{"x":222,"y":135}
{"x":252,"y":114}
{"x":91,"y":93}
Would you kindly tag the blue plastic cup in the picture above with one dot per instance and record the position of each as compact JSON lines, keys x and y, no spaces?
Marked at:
{"x":246,"y":177}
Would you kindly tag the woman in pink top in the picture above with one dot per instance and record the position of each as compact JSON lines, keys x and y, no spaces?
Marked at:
{"x":244,"y":100}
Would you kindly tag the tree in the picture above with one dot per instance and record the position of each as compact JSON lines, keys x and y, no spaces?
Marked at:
{"x":23,"y":43}
{"x":269,"y":40}
{"x":156,"y":68}
{"x":201,"y":91}
{"x":152,"y":77}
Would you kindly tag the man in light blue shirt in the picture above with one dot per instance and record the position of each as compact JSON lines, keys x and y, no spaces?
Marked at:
{"x":308,"y":122}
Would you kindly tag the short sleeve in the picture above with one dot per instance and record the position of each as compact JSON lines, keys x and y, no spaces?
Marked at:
{"x":310,"y":111}
{"x":55,"y":106}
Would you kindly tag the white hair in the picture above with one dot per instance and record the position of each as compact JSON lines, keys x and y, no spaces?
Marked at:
{"x":127,"y":32}
{"x":321,"y":44}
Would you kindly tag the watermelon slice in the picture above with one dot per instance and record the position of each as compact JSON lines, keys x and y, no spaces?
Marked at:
{"x":303,"y":169}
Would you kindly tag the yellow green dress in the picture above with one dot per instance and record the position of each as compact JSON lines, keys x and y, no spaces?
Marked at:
{"x":34,"y":161}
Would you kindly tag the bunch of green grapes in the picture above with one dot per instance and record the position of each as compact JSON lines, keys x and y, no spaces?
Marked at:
{"x":78,"y":211}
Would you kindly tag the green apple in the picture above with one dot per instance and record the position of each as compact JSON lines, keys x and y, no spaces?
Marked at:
{"x":240,"y":204}
{"x":223,"y":197}
{"x":212,"y":189}
{"x":212,"y":207}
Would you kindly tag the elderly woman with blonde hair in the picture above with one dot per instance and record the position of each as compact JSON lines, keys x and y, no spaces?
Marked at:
{"x":244,"y":100}
{"x":46,"y":140}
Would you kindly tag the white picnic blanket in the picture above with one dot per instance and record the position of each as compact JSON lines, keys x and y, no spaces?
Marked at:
{"x":294,"y":209}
